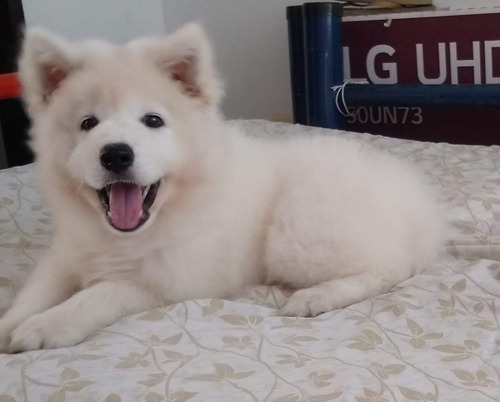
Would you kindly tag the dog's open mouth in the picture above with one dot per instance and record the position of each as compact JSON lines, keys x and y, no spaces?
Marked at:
{"x":127,"y":204}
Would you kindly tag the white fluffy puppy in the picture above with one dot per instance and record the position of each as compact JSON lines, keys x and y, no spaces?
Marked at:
{"x":157,"y":200}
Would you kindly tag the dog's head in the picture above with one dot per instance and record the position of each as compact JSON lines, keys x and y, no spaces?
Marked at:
{"x":120,"y":123}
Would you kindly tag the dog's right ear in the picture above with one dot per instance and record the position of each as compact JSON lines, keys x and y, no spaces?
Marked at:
{"x":45,"y":62}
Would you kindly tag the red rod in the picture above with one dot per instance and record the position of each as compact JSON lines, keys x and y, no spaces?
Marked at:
{"x":10,"y":87}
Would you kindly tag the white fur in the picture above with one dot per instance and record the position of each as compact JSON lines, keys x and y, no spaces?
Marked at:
{"x":337,"y":219}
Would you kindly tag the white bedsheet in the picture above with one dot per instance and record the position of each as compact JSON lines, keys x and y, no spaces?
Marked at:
{"x":435,"y":337}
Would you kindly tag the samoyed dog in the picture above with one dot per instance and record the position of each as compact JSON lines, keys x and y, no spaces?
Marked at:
{"x":157,"y":200}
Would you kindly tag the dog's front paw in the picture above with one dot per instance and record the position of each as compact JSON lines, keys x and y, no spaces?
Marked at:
{"x":46,"y":330}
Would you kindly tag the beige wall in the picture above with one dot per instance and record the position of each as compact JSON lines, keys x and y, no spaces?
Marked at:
{"x":250,"y":38}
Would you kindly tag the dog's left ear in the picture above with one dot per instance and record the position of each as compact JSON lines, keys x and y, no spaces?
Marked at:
{"x":186,"y":56}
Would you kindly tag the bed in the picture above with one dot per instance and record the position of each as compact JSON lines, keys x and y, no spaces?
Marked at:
{"x":435,"y":337}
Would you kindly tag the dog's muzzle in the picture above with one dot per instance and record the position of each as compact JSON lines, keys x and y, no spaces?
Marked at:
{"x":127,"y":204}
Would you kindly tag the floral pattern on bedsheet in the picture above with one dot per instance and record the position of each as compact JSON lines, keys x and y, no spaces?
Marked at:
{"x":435,"y":337}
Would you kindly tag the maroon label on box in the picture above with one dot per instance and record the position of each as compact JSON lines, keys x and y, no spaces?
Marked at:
{"x":446,"y":49}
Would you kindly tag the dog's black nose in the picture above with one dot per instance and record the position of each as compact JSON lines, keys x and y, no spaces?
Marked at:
{"x":117,"y":157}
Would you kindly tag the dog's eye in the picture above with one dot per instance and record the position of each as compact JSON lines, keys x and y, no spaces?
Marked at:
{"x":88,"y":123}
{"x":152,"y":121}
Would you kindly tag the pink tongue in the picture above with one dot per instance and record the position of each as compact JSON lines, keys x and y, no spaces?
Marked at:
{"x":125,"y":205}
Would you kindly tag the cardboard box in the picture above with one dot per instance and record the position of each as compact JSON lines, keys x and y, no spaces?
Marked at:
{"x":429,"y":47}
